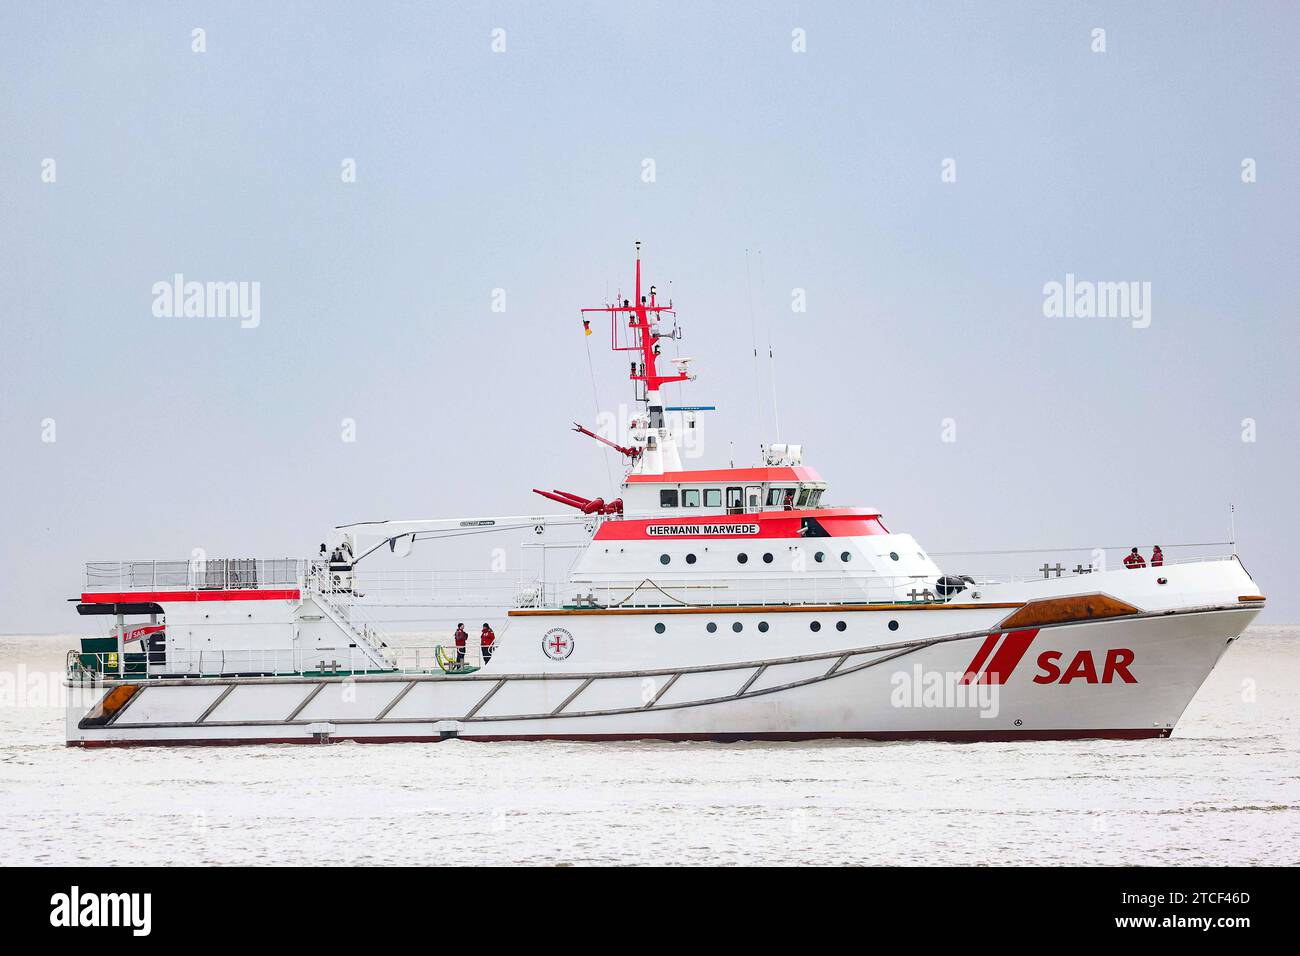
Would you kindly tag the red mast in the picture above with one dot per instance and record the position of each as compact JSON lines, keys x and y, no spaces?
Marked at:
{"x":643,"y":339}
{"x":640,"y":317}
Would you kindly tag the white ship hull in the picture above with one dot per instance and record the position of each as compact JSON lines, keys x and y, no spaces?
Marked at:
{"x":1132,"y":677}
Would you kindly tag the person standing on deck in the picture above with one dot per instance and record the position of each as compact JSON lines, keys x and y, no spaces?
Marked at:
{"x":1157,"y":557}
{"x":461,"y":637}
{"x":1134,"y":560}
{"x":485,"y":642}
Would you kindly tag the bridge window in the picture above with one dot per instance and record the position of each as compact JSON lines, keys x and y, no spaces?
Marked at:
{"x":780,"y":498}
{"x":804,"y":494}
{"x":691,"y":498}
{"x":815,"y":497}
{"x":668,"y":498}
{"x":713,"y":497}
{"x":735,"y":501}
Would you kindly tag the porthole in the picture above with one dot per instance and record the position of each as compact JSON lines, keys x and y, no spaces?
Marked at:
{"x":664,"y":559}
{"x":846,"y":557}
{"x":762,"y":627}
{"x":893,"y":625}
{"x":690,"y":559}
{"x":711,"y":627}
{"x":840,"y":626}
{"x":893,"y":555}
{"x":767,"y":558}
{"x":819,"y":557}
{"x":659,"y":628}
{"x":737,"y":627}
{"x":815,"y":626}
{"x":742,"y":557}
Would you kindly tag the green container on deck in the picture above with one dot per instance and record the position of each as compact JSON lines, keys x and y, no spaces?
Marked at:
{"x":95,"y":654}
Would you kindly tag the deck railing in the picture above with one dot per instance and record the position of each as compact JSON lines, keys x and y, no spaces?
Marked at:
{"x":489,"y":589}
{"x":86,"y":666}
{"x":663,"y":590}
{"x":454,"y":588}
{"x":195,"y":574}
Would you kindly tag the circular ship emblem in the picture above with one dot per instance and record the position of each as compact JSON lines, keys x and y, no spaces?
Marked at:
{"x":557,"y":643}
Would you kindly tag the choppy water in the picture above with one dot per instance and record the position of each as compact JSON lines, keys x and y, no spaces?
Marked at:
{"x":1224,"y":789}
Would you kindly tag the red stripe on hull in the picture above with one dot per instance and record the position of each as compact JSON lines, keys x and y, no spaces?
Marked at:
{"x":883,"y":736}
{"x":1008,"y":656}
{"x":973,"y":668}
{"x":159,"y":597}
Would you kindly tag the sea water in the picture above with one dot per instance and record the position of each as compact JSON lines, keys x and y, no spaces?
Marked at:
{"x":1225,"y":789}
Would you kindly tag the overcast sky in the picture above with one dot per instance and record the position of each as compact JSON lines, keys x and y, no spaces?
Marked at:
{"x":703,"y":131}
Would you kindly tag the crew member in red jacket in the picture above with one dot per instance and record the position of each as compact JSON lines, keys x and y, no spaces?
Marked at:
{"x":461,"y":637}
{"x":1134,"y":560}
{"x":485,"y":641}
{"x":1157,"y":557}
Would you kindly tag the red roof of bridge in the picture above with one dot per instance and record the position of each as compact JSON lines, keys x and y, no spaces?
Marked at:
{"x":735,"y":475}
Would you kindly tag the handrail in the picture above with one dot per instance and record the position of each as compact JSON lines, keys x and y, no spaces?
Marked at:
{"x":93,"y":666}
{"x":195,"y":574}
{"x":491,"y":589}
{"x":812,"y":587}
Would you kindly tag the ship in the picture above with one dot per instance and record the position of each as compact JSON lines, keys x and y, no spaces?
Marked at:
{"x":703,"y":604}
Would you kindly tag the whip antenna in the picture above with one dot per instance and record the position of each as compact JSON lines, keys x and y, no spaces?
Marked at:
{"x":753,"y":336}
{"x":771,"y":357}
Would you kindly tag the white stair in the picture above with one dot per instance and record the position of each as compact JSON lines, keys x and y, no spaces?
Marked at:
{"x":367,"y":643}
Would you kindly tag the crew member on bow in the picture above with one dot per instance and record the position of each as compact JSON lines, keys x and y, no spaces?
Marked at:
{"x":1134,"y":560}
{"x":1157,"y":557}
{"x":485,"y":642}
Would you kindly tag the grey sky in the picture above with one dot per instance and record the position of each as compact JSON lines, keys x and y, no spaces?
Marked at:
{"x":522,"y":170}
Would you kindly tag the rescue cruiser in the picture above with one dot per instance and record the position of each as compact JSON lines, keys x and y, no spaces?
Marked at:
{"x":705,"y":604}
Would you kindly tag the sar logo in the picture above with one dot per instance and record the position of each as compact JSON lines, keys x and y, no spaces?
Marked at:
{"x":557,"y":643}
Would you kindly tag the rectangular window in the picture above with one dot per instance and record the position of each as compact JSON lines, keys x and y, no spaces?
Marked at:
{"x":691,"y":498}
{"x":735,"y":501}
{"x":814,"y":499}
{"x":774,"y":497}
{"x":803,"y":497}
{"x":713,"y":497}
{"x":668,"y":499}
{"x":754,"y":496}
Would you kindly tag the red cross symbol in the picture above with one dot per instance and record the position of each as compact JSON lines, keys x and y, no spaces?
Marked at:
{"x":558,"y":643}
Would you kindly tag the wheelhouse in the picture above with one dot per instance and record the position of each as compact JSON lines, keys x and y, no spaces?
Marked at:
{"x":730,"y":492}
